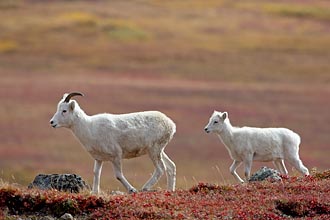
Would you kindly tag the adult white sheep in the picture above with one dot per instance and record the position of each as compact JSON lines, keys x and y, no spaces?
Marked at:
{"x":246,"y":144}
{"x":111,"y":137}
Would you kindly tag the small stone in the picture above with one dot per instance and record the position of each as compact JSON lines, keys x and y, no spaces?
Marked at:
{"x":117,"y":192}
{"x":66,"y":216}
{"x":266,"y":173}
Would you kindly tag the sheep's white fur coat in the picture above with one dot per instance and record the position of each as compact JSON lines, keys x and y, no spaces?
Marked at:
{"x":112,"y":137}
{"x":246,"y":144}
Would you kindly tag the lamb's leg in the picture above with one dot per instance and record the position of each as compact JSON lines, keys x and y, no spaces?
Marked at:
{"x":97,"y":174}
{"x":233,"y":168}
{"x":159,"y":170}
{"x":117,"y":167}
{"x":277,"y":165}
{"x":285,"y":171}
{"x":296,"y":162}
{"x":170,"y":172}
{"x":280,"y":166}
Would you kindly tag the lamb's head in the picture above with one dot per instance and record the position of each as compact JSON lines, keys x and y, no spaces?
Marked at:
{"x":65,"y":111}
{"x":216,"y":122}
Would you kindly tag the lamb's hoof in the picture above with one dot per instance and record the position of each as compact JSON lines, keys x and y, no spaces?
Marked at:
{"x":93,"y":193}
{"x":148,"y":190}
{"x":133,"y":190}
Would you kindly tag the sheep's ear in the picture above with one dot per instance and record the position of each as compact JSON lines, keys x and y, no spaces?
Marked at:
{"x":72,"y":105}
{"x":224,"y":115}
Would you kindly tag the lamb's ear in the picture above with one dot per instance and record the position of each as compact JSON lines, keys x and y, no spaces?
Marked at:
{"x":72,"y":105}
{"x":224,"y":115}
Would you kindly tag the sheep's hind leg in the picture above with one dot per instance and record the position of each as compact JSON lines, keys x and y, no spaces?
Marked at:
{"x":247,"y":168}
{"x":170,"y":172}
{"x":120,"y":176}
{"x":233,"y":168}
{"x":157,"y":159}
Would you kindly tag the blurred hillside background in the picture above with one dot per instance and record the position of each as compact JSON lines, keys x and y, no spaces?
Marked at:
{"x":265,"y":62}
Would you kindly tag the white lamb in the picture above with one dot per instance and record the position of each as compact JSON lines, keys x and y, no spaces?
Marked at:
{"x":110,"y":137}
{"x":260,"y":144}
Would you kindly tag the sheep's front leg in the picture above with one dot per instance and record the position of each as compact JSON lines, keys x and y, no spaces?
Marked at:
{"x":97,"y":174}
{"x":117,"y":167}
{"x":233,"y":168}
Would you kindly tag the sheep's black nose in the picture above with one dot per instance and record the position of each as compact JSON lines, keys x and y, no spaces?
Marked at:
{"x":51,"y":122}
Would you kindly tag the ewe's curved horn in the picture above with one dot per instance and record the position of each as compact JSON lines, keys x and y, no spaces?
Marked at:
{"x":67,"y":99}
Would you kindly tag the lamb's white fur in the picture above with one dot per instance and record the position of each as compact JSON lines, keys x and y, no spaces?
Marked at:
{"x":112,"y":137}
{"x":260,"y":144}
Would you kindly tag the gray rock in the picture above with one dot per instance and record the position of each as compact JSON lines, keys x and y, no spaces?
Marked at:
{"x":62,"y":182}
{"x":67,"y":216}
{"x":265,"y":173}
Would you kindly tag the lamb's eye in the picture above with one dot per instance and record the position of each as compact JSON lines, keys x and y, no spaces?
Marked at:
{"x":215,"y":122}
{"x":63,"y":111}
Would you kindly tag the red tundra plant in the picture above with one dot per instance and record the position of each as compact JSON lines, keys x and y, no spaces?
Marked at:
{"x":293,"y":197}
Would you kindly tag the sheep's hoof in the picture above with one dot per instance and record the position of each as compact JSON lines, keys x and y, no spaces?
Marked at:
{"x":133,"y":190}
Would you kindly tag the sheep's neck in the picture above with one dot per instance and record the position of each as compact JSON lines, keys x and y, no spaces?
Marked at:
{"x":226,"y":135}
{"x":80,"y":125}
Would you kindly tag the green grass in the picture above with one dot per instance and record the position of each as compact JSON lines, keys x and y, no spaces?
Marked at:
{"x":124,"y":31}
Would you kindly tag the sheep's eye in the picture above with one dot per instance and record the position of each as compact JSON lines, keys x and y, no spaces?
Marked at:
{"x":63,"y":111}
{"x":215,"y":122}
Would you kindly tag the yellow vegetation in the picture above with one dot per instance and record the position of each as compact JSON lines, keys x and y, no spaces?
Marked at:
{"x":79,"y":18}
{"x":299,"y":11}
{"x":8,"y":46}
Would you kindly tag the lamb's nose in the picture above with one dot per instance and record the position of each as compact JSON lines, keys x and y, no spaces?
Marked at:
{"x":205,"y":129}
{"x":51,"y":122}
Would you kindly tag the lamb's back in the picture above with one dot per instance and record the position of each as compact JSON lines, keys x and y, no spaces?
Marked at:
{"x":267,"y":143}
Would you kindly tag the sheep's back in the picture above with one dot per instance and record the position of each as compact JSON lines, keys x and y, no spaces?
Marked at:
{"x":136,"y":129}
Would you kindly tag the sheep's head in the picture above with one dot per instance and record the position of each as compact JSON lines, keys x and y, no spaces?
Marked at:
{"x":216,"y":122}
{"x":65,"y":109}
